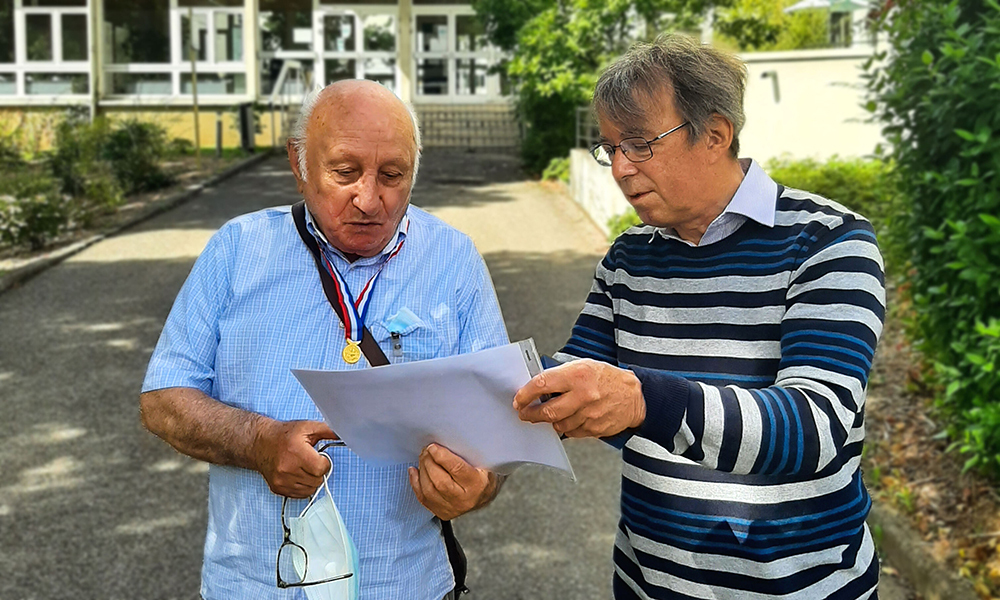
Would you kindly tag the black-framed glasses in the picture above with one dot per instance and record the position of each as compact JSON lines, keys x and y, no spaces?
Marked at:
{"x":636,"y":149}
{"x":292,"y":563}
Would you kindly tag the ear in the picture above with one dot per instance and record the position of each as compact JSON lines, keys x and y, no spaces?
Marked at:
{"x":718,"y":136}
{"x":293,"y":160}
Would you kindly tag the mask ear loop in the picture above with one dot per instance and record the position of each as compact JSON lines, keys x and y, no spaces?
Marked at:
{"x":326,"y":485}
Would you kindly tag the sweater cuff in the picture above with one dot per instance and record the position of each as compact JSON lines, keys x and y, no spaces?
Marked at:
{"x":666,"y":397}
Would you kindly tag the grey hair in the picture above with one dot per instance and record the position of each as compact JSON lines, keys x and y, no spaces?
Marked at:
{"x":704,"y":81}
{"x":298,"y":136}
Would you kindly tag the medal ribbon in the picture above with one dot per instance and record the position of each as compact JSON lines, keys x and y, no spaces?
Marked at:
{"x":355,"y":310}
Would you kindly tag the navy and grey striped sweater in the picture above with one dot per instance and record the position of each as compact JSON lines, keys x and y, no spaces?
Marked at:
{"x":744,"y":481}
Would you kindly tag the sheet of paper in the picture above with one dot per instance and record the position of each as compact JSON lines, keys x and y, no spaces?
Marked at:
{"x":388,"y":414}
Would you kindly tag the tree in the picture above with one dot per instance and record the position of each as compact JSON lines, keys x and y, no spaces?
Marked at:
{"x":559,"y":46}
{"x":762,"y":25}
{"x":935,"y":92}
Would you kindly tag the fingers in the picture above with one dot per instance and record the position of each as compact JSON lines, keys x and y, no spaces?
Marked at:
{"x":447,"y":485}
{"x":550,"y":381}
{"x":557,"y":409}
{"x":434,"y":475}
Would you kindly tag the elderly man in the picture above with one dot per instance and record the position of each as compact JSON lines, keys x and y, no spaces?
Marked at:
{"x":725,"y":347}
{"x":219,"y":387}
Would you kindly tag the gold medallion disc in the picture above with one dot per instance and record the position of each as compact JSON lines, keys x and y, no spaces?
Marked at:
{"x":352,"y":352}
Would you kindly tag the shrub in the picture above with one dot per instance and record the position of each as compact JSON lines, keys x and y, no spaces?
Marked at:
{"x":33,"y":212}
{"x":558,"y":169}
{"x":935,"y":93}
{"x":866,"y":186}
{"x":135,"y":150}
{"x":618,"y":225}
{"x":77,"y":152}
{"x":179,"y":147}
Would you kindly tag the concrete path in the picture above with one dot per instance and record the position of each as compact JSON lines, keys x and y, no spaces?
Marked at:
{"x":92,"y":506}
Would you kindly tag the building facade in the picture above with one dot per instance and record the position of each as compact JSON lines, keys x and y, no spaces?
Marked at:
{"x":150,"y":59}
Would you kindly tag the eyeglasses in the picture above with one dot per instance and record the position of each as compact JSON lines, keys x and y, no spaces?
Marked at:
{"x":635,"y":149}
{"x":292,"y":558}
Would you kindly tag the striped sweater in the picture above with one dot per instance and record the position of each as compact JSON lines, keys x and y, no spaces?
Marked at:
{"x":753,"y":352}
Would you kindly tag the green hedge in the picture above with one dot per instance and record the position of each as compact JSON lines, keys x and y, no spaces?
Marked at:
{"x":936,"y":93}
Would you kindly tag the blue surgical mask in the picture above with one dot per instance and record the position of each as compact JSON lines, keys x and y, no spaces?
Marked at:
{"x":320,"y":531}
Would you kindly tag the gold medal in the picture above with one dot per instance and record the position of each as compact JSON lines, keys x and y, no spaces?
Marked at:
{"x":352,"y":352}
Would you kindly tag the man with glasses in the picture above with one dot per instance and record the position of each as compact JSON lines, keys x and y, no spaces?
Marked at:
{"x":725,"y":347}
{"x":219,"y":386}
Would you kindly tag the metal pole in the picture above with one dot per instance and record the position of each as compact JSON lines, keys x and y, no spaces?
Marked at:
{"x":218,"y":134}
{"x":194,"y":87}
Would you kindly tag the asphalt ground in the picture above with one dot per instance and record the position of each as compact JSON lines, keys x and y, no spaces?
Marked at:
{"x":94,"y":507}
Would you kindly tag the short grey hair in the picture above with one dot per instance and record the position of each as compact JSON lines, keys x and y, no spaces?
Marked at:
{"x":703,"y":80}
{"x":298,"y":136}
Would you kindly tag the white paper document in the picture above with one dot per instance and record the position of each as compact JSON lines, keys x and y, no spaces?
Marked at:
{"x":388,"y":414}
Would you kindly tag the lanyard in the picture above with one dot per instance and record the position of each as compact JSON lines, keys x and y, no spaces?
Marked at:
{"x":354,"y":311}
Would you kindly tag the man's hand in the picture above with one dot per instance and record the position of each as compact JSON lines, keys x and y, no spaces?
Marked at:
{"x":448,"y":486}
{"x":285,"y":456}
{"x":595,"y":399}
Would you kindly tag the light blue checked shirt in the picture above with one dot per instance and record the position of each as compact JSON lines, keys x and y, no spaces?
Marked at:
{"x":251,"y":310}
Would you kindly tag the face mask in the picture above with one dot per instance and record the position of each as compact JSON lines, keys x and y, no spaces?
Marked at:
{"x":329,"y":550}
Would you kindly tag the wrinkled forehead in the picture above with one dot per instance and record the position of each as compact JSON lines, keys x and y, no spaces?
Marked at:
{"x":361,"y":126}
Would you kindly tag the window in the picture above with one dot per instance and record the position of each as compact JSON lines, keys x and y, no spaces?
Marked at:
{"x":8,"y":84}
{"x":211,"y":30}
{"x":216,"y":84}
{"x":228,"y":37}
{"x":339,"y":33}
{"x":137,"y":32}
{"x":432,"y":33}
{"x":470,"y":35}
{"x":453,"y":58}
{"x":74,"y":37}
{"x":382,"y":70}
{"x":286,"y":25}
{"x":6,"y":31}
{"x":51,"y":39}
{"x":141,"y":84}
{"x":359,"y":44}
{"x":380,"y":33}
{"x":471,"y":79}
{"x":200,"y":42}
{"x":56,"y":84}
{"x":38,"y":29}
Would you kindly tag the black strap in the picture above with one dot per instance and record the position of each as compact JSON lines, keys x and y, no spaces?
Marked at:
{"x":376,"y":358}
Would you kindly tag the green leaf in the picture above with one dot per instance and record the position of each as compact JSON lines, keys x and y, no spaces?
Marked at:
{"x":965,"y":135}
{"x":927,"y":57}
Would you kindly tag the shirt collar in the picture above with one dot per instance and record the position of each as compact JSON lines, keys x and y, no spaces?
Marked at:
{"x":757,"y":196}
{"x":329,"y":248}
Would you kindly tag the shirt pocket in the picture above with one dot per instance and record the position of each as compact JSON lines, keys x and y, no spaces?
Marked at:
{"x":419,"y":340}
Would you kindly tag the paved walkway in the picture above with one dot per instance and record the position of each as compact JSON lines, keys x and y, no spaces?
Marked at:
{"x":92,"y":506}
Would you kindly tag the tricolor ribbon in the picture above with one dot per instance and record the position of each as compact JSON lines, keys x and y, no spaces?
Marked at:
{"x":354,"y":311}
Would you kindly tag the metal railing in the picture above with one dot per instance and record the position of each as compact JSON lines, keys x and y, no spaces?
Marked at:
{"x":587,"y":131}
{"x":286,"y":96}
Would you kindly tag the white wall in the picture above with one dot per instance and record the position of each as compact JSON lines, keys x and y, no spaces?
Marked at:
{"x":819,"y":112}
{"x":594,"y":189}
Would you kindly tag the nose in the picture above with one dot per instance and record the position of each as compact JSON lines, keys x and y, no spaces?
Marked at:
{"x":367,"y":196}
{"x":621,"y":167}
